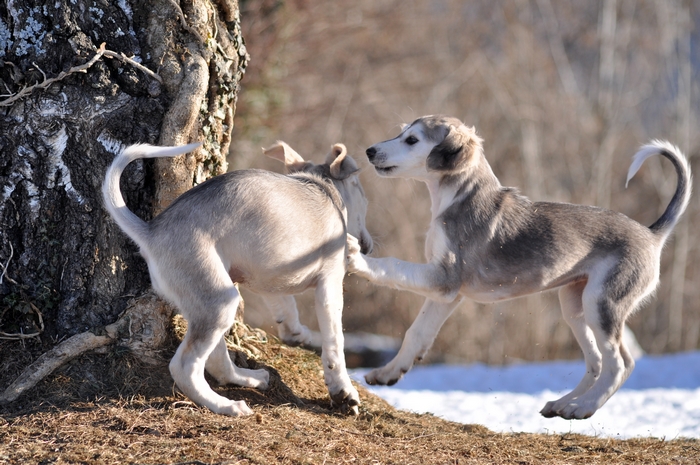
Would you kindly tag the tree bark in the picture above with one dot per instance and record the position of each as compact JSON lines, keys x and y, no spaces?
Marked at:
{"x":59,"y":250}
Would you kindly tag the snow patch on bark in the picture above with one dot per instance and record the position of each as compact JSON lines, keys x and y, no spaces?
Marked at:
{"x":57,"y":143}
{"x":110,"y":144}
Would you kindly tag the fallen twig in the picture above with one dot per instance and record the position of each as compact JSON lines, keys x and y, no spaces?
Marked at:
{"x":370,"y":435}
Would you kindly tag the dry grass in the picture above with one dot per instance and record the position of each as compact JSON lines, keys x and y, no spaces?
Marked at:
{"x":110,"y":408}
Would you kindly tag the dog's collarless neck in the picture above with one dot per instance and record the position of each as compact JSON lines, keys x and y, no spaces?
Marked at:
{"x":439,"y":198}
{"x":324,"y":185}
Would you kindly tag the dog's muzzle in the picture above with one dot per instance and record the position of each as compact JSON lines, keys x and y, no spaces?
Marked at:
{"x":377,"y":160}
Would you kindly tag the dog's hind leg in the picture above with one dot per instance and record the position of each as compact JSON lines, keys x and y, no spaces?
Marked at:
{"x":605,"y":313}
{"x":570,"y":298}
{"x":329,"y":311}
{"x":284,"y":310}
{"x":220,"y":366}
{"x":418,"y":340}
{"x":208,"y":301}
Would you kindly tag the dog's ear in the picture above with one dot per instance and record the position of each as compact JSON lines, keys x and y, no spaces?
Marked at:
{"x":284,"y":153}
{"x":340,"y":164}
{"x":457,"y":148}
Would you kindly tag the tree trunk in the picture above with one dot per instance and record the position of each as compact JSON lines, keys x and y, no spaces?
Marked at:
{"x":61,"y":255}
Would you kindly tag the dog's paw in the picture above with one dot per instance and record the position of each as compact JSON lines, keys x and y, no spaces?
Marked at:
{"x":343,"y":393}
{"x":256,"y":379}
{"x":574,"y":410}
{"x":347,"y":399}
{"x":294,"y":336}
{"x":259,"y":379}
{"x":234,"y":409}
{"x":355,"y":261}
{"x":353,"y":245}
{"x":385,"y":376}
{"x":548,"y":410}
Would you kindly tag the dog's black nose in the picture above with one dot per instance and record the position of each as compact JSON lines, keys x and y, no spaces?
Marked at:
{"x":366,"y":245}
{"x":371,"y":152}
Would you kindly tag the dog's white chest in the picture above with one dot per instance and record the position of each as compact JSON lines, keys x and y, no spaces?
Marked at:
{"x":435,"y":242}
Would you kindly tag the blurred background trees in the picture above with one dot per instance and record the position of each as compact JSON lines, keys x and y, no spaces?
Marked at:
{"x":563,"y":94}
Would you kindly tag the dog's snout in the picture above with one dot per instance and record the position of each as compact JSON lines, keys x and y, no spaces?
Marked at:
{"x":371,"y":152}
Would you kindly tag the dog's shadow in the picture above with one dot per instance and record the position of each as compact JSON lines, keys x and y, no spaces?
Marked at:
{"x":278,"y":393}
{"x":118,"y":377}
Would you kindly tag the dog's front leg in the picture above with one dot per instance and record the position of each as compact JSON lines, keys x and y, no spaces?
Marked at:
{"x":430,"y":280}
{"x":329,"y":311}
{"x":419,"y":338}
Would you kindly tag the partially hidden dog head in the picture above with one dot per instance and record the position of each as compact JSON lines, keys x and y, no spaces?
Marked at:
{"x":431,"y":145}
{"x":342,"y":171}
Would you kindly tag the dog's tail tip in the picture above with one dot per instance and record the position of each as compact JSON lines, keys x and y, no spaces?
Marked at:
{"x":136,"y":151}
{"x":681,"y":197}
{"x":656,"y":147}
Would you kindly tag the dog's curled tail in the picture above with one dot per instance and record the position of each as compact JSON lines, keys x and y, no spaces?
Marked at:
{"x":131,"y":224}
{"x":664,"y":225}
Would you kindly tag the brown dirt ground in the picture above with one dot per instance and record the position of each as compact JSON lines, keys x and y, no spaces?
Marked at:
{"x":112,"y":409}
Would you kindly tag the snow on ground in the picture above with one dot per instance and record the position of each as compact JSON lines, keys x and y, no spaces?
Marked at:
{"x":661,"y":398}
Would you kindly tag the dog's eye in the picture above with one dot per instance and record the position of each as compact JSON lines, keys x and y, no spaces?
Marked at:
{"x":410,"y":140}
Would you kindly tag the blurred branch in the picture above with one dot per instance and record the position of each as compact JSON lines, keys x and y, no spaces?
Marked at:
{"x":343,"y":96}
{"x":682,"y":65}
{"x":451,"y":82}
{"x":556,"y":47}
{"x":6,"y":266}
{"x":606,"y":69}
{"x":20,"y":335}
{"x":492,"y":80}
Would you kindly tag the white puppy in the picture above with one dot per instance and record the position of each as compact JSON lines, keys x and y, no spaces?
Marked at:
{"x":276,"y":235}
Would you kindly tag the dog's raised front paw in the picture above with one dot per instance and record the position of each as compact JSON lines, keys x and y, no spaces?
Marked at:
{"x":355,"y":261}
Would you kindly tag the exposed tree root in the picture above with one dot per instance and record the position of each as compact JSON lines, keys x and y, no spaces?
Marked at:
{"x":143,"y":328}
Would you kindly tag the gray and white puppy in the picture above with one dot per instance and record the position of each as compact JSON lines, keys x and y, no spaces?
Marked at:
{"x":276,"y":235}
{"x":488,"y":243}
